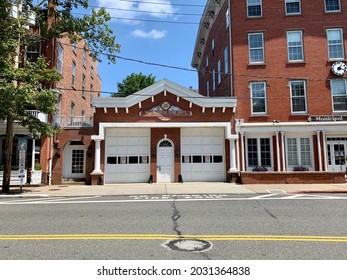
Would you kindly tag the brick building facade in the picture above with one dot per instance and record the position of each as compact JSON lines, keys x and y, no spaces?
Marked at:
{"x":279,"y":60}
{"x":163,"y":133}
{"x":64,"y":156}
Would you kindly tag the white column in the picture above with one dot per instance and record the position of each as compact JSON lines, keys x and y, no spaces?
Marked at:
{"x":278,"y":151}
{"x":283,"y":152}
{"x":325,"y":151}
{"x":232,"y":155}
{"x":33,"y":155}
{"x":237,"y":153}
{"x":242,"y":152}
{"x":319,"y":151}
{"x":97,"y":169}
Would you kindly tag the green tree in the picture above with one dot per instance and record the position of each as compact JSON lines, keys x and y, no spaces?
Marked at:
{"x":28,"y":87}
{"x":133,"y":83}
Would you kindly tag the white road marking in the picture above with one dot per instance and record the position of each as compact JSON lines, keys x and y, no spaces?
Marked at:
{"x":167,"y":198}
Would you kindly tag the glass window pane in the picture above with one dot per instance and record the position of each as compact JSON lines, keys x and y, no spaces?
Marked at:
{"x":252,"y":152}
{"x":332,"y":5}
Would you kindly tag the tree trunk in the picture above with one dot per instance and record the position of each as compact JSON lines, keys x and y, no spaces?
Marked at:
{"x":8,"y":155}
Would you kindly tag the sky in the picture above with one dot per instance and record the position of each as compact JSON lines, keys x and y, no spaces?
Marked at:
{"x":152,"y":31}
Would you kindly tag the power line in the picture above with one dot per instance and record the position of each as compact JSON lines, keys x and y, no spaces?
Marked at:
{"x":163,"y":3}
{"x":146,"y":20}
{"x":144,"y":11}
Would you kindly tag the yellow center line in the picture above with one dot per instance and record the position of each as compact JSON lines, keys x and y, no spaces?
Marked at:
{"x":295,"y":238}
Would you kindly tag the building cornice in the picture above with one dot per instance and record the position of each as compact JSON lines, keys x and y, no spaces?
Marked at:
{"x":211,"y":12}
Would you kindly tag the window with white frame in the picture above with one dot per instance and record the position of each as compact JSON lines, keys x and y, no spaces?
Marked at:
{"x":298,"y":96}
{"x":299,"y":152}
{"x":83,"y":85}
{"x":84,"y":57}
{"x":60,"y":59}
{"x":258,"y":97}
{"x":332,"y":5}
{"x":33,"y":49}
{"x":295,"y":46}
{"x":214,"y":80}
{"x":259,"y":152}
{"x":339,"y":94}
{"x":219,"y":79}
{"x":254,"y":8}
{"x":256,"y":48}
{"x":293,"y":7}
{"x":227,"y":18}
{"x":212,"y":46}
{"x":206,"y":62}
{"x":226,"y":61}
{"x":335,"y":43}
{"x":73,"y":74}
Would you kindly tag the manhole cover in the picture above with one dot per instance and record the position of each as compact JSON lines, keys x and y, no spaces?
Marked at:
{"x":188,"y":245}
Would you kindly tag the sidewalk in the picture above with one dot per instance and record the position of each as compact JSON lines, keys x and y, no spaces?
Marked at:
{"x":171,"y":189}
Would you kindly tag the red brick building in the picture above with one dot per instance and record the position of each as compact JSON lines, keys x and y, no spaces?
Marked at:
{"x":80,"y":83}
{"x":163,"y":133}
{"x":285,"y":63}
{"x":64,"y":156}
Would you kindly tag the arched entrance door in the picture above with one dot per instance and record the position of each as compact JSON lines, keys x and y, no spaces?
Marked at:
{"x":165,"y":161}
{"x":74,"y":160}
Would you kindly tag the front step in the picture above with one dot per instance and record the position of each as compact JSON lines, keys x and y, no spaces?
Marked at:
{"x":71,"y":181}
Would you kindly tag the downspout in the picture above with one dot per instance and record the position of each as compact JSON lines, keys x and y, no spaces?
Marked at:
{"x":230,"y":54}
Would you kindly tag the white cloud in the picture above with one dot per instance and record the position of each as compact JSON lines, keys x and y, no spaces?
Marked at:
{"x":153,"y":34}
{"x":135,"y":10}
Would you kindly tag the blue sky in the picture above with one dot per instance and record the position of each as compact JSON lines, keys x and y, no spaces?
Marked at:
{"x":154,"y":42}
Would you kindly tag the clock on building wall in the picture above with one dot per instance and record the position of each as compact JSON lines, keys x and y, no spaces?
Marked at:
{"x":339,"y":68}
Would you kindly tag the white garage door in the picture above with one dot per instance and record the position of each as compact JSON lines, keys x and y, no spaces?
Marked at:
{"x":127,"y":155}
{"x":202,"y":154}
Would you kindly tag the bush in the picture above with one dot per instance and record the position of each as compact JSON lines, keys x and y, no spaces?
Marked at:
{"x":37,"y":166}
{"x":260,"y":169}
{"x":300,"y":168}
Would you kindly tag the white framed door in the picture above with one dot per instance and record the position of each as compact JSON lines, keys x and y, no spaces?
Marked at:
{"x":74,"y":161}
{"x":337,"y":156}
{"x":165,"y":161}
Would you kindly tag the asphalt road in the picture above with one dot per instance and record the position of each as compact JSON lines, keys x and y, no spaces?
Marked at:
{"x":273,"y":227}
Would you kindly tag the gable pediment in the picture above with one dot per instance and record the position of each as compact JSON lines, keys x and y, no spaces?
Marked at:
{"x":167,"y":87}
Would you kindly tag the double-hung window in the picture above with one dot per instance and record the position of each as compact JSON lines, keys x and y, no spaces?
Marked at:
{"x":332,"y":6}
{"x":293,"y":7}
{"x":254,"y":8}
{"x":256,"y":48}
{"x":335,"y":44}
{"x":33,"y":49}
{"x":83,"y":85}
{"x":60,"y":59}
{"x":219,"y":67}
{"x":73,"y":74}
{"x":298,"y":96}
{"x":214,"y":80}
{"x":226,"y":61}
{"x":339,"y":95}
{"x":227,"y":18}
{"x":258,"y":152}
{"x":295,"y":46}
{"x":299,"y":152}
{"x":258,"y":97}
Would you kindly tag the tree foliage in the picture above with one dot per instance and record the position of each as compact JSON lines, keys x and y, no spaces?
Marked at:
{"x":133,"y":83}
{"x":25,"y":88}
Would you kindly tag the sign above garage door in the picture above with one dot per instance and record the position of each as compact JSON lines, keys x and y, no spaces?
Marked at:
{"x":165,"y":112}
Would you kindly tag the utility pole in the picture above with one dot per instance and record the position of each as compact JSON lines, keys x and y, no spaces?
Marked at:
{"x":10,"y":118}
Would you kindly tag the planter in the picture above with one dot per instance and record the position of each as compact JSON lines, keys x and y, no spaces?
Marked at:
{"x":36,"y":176}
{"x":300,"y":177}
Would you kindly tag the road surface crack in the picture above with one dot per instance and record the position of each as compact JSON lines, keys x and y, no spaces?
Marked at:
{"x":267,"y":211}
{"x":175,"y":217}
